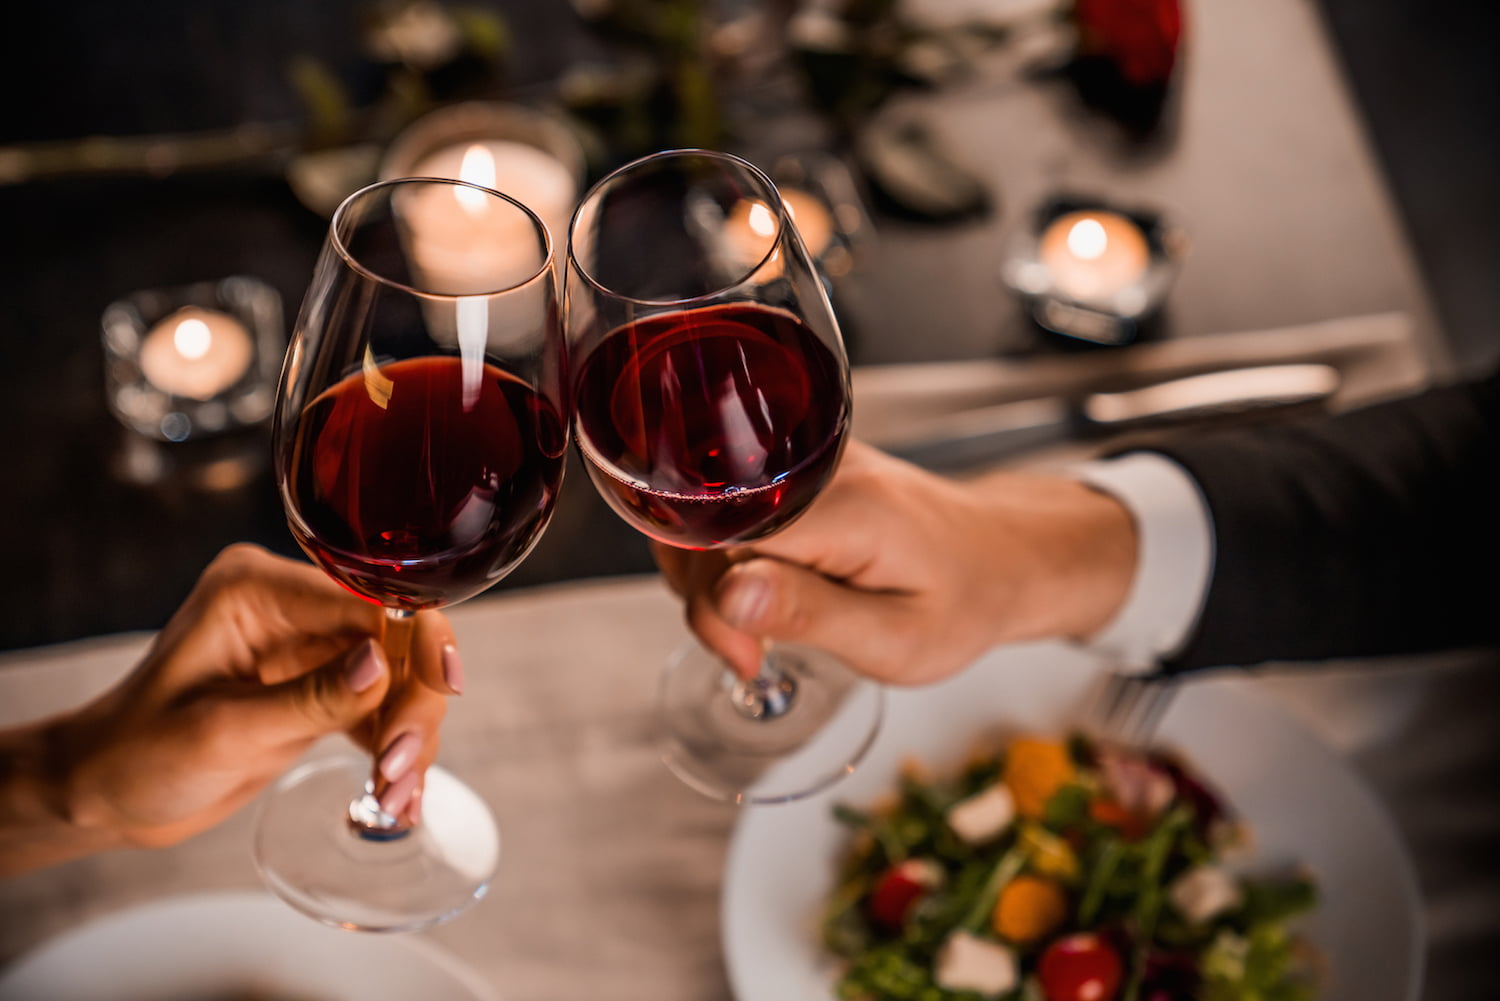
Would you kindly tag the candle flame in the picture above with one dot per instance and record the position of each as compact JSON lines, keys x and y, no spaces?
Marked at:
{"x":762,"y":222}
{"x":1087,"y":239}
{"x":478,"y":167}
{"x":192,"y":338}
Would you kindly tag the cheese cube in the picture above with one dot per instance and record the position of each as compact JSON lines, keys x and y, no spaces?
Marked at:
{"x":983,"y":815}
{"x":1204,"y":892}
{"x":969,"y":963}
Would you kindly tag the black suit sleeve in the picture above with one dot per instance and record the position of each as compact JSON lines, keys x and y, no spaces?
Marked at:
{"x":1374,"y":532}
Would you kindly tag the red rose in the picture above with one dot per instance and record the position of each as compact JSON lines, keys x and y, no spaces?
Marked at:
{"x":1139,"y":37}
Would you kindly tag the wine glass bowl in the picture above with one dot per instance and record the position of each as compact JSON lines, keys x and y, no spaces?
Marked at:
{"x":711,"y":402}
{"x":420,"y":437}
{"x":420,"y":427}
{"x":712,"y":383}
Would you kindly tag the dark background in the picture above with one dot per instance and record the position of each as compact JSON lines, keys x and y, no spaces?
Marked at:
{"x":90,"y":553}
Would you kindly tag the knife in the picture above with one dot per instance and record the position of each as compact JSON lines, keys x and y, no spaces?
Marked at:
{"x":992,"y":434}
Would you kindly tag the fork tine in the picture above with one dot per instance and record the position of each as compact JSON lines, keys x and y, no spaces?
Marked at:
{"x":1128,"y":707}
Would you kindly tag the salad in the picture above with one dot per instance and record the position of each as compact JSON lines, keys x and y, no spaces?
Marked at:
{"x":1055,"y":870}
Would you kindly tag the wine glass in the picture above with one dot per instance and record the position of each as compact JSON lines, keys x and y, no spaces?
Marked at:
{"x":420,"y":437}
{"x":711,"y":400}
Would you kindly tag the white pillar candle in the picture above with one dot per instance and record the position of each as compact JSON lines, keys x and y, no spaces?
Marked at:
{"x":196,"y":353}
{"x":530,"y":175}
{"x":1092,"y":255}
{"x":465,"y":242}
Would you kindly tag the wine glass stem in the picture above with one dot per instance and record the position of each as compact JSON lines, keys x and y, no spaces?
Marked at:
{"x":366,"y":817}
{"x":768,"y":695}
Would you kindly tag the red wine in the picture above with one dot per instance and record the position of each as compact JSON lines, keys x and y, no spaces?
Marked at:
{"x":711,"y":426}
{"x":414,"y":486}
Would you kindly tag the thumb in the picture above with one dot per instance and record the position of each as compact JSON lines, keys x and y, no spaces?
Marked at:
{"x":330,"y":699}
{"x":870,"y":631}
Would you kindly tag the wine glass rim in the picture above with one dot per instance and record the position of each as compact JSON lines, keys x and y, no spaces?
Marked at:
{"x":336,"y":239}
{"x":771,"y":250}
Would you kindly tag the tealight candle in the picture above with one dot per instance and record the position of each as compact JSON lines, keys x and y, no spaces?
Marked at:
{"x":812,"y":219}
{"x":196,"y":353}
{"x":1093,"y":255}
{"x":751,"y":226}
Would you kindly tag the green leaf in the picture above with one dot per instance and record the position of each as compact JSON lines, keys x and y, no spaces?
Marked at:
{"x":327,"y":103}
{"x":1111,"y":851}
{"x":881,"y":830}
{"x":1005,"y":870}
{"x":1068,"y":807}
{"x":485,"y":32}
{"x":1269,"y":901}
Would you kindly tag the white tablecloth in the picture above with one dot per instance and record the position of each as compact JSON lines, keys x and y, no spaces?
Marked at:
{"x":609,"y":880}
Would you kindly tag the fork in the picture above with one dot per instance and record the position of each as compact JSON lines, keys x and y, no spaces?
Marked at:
{"x":1126,"y":708}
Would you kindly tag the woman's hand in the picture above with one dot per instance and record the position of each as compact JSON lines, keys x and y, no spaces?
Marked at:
{"x":909,"y":576}
{"x":264,"y":657}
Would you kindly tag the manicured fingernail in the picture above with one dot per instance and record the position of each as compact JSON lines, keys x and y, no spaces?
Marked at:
{"x":398,"y":794}
{"x":744,"y":599}
{"x":414,"y":808}
{"x":366,"y":667}
{"x":453,"y":669}
{"x":396,"y":760}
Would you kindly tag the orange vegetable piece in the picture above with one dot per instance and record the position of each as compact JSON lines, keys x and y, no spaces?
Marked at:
{"x":1112,"y":814}
{"x":1029,"y":909}
{"x":1034,"y":770}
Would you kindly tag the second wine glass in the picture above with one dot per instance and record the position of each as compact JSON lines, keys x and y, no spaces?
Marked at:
{"x":711,"y":394}
{"x":420,"y":438}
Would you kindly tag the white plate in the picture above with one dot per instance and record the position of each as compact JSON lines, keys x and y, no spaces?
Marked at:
{"x":223,"y":946}
{"x":1302,"y":802}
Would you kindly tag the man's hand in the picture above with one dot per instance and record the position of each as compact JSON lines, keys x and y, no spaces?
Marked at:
{"x":909,"y":576}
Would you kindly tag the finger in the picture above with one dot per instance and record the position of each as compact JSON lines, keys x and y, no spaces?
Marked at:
{"x":675,"y":566}
{"x":741,"y":650}
{"x":333,"y":698}
{"x":690,"y":571}
{"x":406,"y":743}
{"x":298,"y":655}
{"x":435,"y":660}
{"x":873,"y":632}
{"x":845,"y":527}
{"x":264,"y":601}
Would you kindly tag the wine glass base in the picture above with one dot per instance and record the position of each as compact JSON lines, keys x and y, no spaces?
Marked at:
{"x":312,"y":857}
{"x":729,"y":755}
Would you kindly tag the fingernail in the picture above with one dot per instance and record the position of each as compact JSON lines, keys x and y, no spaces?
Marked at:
{"x":366,"y":667}
{"x":453,"y":669}
{"x":398,"y":794}
{"x":744,"y":600}
{"x":396,"y":760}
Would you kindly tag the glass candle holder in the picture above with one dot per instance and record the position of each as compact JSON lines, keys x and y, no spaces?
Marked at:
{"x":826,"y":209}
{"x":1091,"y":270}
{"x":193,"y":361}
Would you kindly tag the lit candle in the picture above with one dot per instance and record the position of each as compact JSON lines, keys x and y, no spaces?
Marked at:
{"x":464,"y":242}
{"x":196,"y":353}
{"x":812,"y":219}
{"x":751,"y":226}
{"x":1094,"y":255}
{"x":530,"y":175}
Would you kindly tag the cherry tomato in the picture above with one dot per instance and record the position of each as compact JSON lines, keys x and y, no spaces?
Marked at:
{"x":1080,"y":967}
{"x":898,"y":890}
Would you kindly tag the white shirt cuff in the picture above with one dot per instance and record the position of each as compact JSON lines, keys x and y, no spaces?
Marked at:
{"x":1176,"y":555}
